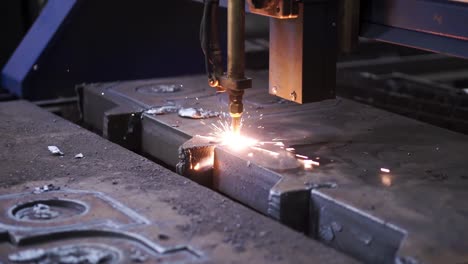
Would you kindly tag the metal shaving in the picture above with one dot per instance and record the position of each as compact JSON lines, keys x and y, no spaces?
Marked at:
{"x":162,"y":110}
{"x":43,"y":211}
{"x":197,"y":113}
{"x":72,"y":254}
{"x":46,"y":188}
{"x":26,"y":256}
{"x":79,"y":156}
{"x":167,"y":88}
{"x":160,"y":88}
{"x":55,"y":150}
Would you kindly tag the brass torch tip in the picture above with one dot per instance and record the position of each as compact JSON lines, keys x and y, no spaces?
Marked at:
{"x":236,"y":123}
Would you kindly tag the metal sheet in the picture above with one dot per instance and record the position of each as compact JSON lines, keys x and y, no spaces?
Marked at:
{"x":171,"y":220}
{"x":416,"y":207}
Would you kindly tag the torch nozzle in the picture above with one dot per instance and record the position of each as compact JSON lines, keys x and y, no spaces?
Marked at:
{"x":236,"y":108}
{"x":236,"y":123}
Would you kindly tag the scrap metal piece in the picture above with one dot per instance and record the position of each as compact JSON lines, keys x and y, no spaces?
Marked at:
{"x":44,"y":210}
{"x":162,"y":110}
{"x":46,"y":188}
{"x":157,"y":88}
{"x":197,"y":113}
{"x":30,"y":255}
{"x":55,"y":150}
{"x":70,"y":254}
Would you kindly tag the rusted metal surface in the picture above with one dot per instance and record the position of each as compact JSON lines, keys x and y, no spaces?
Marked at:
{"x":349,"y":202}
{"x":67,"y":208}
{"x":80,"y":226}
{"x":113,"y":206}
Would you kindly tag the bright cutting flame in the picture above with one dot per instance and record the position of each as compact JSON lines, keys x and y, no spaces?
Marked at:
{"x":227,"y":137}
{"x":236,"y":141}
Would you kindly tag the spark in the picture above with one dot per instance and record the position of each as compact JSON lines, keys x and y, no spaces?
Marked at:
{"x":308,"y":164}
{"x":197,"y":167}
{"x":302,"y":156}
{"x":225,"y":136}
{"x":385,"y":170}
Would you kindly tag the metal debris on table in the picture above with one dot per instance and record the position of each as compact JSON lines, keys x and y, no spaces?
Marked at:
{"x":46,"y":188}
{"x":76,"y":254}
{"x":162,"y":110}
{"x":43,"y":211}
{"x":55,"y":150}
{"x":160,"y":88}
{"x":197,"y":113}
{"x":27,"y":255}
{"x":79,"y":156}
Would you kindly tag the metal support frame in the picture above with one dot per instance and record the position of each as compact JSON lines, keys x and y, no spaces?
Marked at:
{"x":437,"y":26}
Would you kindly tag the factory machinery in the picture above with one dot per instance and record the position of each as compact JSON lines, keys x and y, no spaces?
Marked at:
{"x":355,"y":183}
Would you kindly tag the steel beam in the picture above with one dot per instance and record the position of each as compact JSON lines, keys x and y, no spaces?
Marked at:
{"x":347,"y":202}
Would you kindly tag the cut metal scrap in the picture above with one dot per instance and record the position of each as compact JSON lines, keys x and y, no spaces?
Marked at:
{"x":92,"y":254}
{"x":162,"y":110}
{"x":46,"y":188}
{"x":55,"y":150}
{"x":197,"y":113}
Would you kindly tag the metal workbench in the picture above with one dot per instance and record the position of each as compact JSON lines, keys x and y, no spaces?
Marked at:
{"x":113,"y":206}
{"x":388,"y":188}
